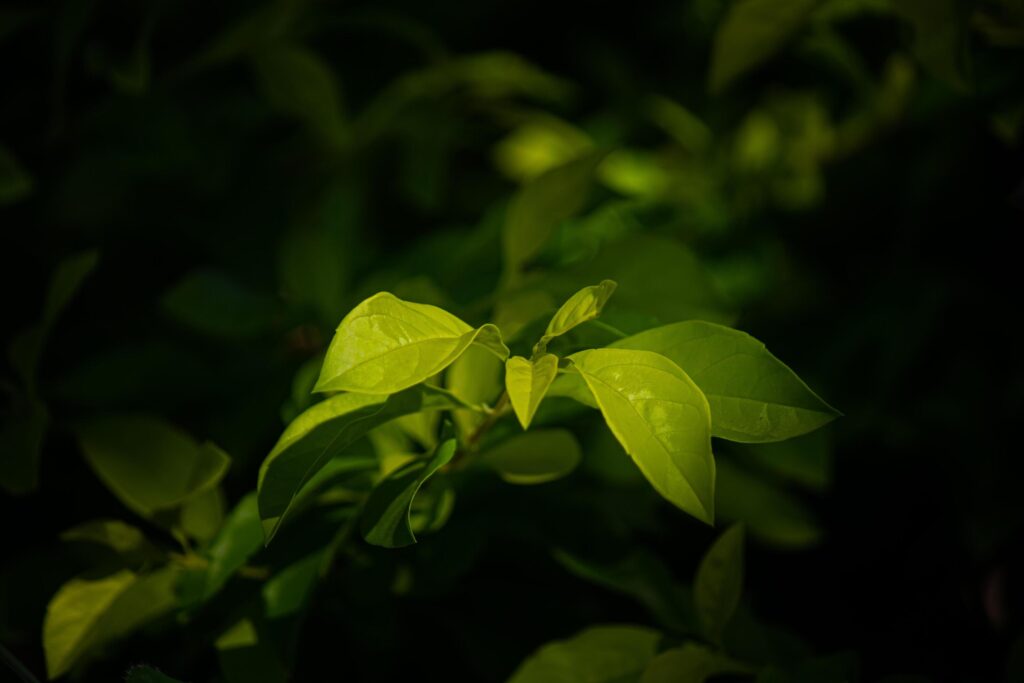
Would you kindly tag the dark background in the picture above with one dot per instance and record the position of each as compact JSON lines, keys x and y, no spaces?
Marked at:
{"x":901,"y":312}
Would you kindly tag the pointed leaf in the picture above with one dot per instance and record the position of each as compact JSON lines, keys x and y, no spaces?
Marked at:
{"x":662,"y":420}
{"x":326,"y":430}
{"x":386,"y":517}
{"x":581,"y":307}
{"x":385,"y":345}
{"x":753,"y":396}
{"x":527,"y":382}
{"x":148,"y":464}
{"x":601,"y":654}
{"x":536,"y":457}
{"x":719,"y":583}
{"x":240,"y":538}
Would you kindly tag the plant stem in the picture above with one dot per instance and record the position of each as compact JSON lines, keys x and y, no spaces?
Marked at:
{"x":16,"y":666}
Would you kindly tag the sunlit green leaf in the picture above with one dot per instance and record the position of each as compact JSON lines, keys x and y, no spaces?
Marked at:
{"x":386,"y":516}
{"x":581,"y":307}
{"x":86,"y":614}
{"x":753,"y":396}
{"x":148,"y":464}
{"x":601,"y":654}
{"x":385,"y":345}
{"x":535,"y":457}
{"x":662,"y":420}
{"x":527,"y":382}
{"x":541,"y":205}
{"x":692,"y":663}
{"x":719,"y":583}
{"x":324,"y":431}
{"x":752,"y":32}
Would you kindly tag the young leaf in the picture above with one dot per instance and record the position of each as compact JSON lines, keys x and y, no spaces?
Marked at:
{"x":86,"y":614}
{"x":753,"y":31}
{"x":527,"y":382}
{"x":385,"y":345}
{"x":536,"y":457}
{"x":582,"y":306}
{"x":661,"y":419}
{"x":326,"y":430}
{"x":148,"y":464}
{"x":719,"y":583}
{"x":385,"y":520}
{"x":475,"y":378}
{"x":692,"y":663}
{"x":753,"y":396}
{"x":601,"y":654}
{"x":541,"y":205}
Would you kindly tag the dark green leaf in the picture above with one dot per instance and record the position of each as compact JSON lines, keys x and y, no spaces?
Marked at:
{"x":601,"y":654}
{"x":210,"y":302}
{"x":719,"y":583}
{"x":535,"y":457}
{"x":386,"y":516}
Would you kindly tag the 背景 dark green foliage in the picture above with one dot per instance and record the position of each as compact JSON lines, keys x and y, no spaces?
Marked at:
{"x":372,"y":342}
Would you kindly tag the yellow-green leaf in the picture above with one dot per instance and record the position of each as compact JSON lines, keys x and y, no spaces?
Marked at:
{"x":753,"y":396}
{"x":86,"y":614}
{"x":693,"y":663}
{"x":661,"y":419}
{"x":536,"y":457}
{"x":581,"y":307}
{"x":385,"y":345}
{"x":527,"y":382}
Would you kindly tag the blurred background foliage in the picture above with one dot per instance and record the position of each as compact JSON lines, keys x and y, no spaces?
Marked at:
{"x":193,"y":194}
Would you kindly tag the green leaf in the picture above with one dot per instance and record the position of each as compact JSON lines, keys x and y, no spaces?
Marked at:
{"x":326,"y":430}
{"x":527,"y":382}
{"x":752,"y":32}
{"x":661,"y":419}
{"x":571,"y":385}
{"x":147,"y":674}
{"x":536,"y":457}
{"x":768,"y":512}
{"x":247,"y":656}
{"x":659,"y":280}
{"x":240,"y":538}
{"x":202,"y":514}
{"x":753,"y":396}
{"x":643,"y":576}
{"x":601,"y":654}
{"x":719,"y":583}
{"x":581,"y":307}
{"x":148,"y":464}
{"x":15,"y":182}
{"x":210,"y":302}
{"x":475,"y":378}
{"x":126,"y":541}
{"x":692,"y":663}
{"x":386,"y":517}
{"x":940,"y":37}
{"x":288,"y":591}
{"x":541,"y":205}
{"x":298,"y":83}
{"x":87,"y":614}
{"x":66,"y":281}
{"x":385,"y":345}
